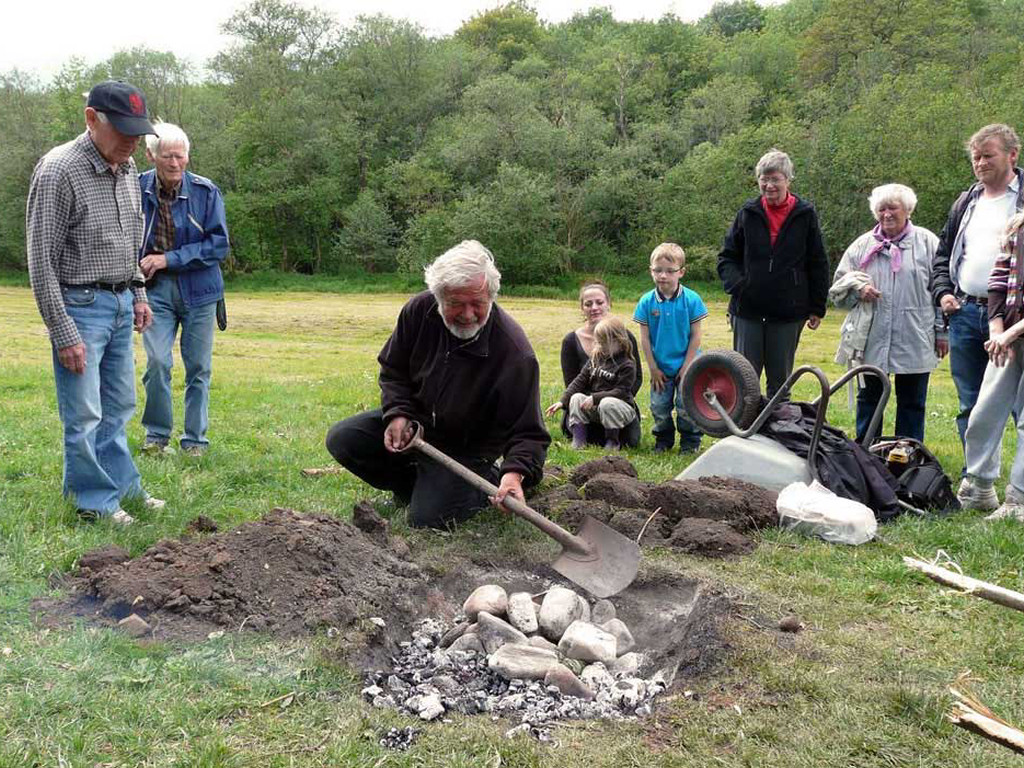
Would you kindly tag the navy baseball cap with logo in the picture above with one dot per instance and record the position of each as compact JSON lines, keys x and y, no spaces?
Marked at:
{"x":123,"y":104}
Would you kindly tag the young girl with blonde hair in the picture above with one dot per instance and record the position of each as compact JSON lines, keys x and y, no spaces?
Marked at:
{"x":603,"y":390}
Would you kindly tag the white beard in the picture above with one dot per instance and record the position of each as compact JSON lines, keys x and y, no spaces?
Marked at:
{"x":464,"y":332}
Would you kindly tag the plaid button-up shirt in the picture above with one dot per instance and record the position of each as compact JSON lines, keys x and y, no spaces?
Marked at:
{"x":83,"y":224}
{"x":163,"y":234}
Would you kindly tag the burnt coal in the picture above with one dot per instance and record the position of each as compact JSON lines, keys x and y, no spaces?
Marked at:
{"x":399,"y":738}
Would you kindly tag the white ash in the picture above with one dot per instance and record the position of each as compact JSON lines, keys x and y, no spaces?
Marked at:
{"x":428,"y":682}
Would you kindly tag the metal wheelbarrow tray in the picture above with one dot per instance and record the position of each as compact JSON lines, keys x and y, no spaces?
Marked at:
{"x":721,"y":394}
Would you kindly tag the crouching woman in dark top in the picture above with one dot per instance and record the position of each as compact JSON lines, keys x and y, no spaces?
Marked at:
{"x":577,"y":347}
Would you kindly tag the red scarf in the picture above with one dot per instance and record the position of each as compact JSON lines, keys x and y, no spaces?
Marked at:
{"x":777,"y":214}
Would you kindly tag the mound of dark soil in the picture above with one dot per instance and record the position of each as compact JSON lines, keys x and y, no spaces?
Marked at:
{"x":555,"y":498}
{"x":570,"y":514}
{"x":742,"y":505}
{"x":709,"y":516}
{"x":710,"y":538}
{"x":617,"y":490}
{"x":288,"y":573}
{"x":606,"y":465}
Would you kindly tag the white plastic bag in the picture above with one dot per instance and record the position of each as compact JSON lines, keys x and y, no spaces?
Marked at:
{"x":815,"y":511}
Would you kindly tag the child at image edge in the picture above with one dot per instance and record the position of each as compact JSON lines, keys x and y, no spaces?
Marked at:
{"x":603,"y":390}
{"x":670,"y":331}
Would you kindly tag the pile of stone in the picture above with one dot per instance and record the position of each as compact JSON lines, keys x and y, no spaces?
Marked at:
{"x":537,"y":660}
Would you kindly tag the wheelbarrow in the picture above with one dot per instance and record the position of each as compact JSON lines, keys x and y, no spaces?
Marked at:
{"x":598,"y":558}
{"x":721,"y":394}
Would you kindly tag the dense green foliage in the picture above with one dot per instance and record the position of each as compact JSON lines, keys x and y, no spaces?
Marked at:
{"x":565,"y":147}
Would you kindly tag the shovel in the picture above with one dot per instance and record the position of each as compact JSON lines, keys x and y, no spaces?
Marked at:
{"x":598,"y":558}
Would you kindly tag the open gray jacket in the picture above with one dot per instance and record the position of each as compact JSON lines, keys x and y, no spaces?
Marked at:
{"x":905,"y":321}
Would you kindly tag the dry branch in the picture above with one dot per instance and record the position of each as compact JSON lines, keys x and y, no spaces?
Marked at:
{"x":334,"y":469}
{"x":972,"y":586}
{"x":972,"y":715}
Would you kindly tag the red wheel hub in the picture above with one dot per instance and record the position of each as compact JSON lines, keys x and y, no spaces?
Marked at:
{"x":722,"y":385}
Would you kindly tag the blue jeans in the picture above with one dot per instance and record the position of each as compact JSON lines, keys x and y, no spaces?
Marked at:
{"x":661,"y":410}
{"x":95,"y":406}
{"x":968,"y":332}
{"x":196,"y":323}
{"x":911,"y":395}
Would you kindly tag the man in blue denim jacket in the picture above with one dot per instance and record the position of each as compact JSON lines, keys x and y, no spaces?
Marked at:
{"x":186,"y":239}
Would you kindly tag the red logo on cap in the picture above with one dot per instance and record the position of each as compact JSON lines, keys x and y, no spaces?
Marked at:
{"x":138,"y":108}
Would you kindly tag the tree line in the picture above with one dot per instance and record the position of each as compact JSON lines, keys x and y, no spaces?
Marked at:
{"x":566,"y":148}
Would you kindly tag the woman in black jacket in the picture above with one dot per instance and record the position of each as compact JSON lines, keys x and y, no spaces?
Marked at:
{"x":774,"y":268}
{"x":577,"y":346}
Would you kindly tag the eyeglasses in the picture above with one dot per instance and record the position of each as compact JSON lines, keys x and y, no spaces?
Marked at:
{"x":663,"y":271}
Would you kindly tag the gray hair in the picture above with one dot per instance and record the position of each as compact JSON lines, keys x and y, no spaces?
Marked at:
{"x":167,"y":134}
{"x":892,"y":193}
{"x":774,"y":160}
{"x":1006,"y":135}
{"x":461,"y":266}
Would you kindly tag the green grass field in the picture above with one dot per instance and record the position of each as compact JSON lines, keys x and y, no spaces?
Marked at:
{"x":865,"y":685}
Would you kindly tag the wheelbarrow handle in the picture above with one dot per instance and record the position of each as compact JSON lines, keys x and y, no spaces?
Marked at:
{"x":568,"y":541}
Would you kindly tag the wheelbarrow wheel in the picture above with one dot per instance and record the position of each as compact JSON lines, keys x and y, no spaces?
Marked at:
{"x":736,"y":386}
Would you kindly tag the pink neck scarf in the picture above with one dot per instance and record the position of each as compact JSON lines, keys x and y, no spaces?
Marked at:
{"x":889,"y":244}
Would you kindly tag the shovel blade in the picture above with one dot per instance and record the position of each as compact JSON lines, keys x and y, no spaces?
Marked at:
{"x":610,"y":566}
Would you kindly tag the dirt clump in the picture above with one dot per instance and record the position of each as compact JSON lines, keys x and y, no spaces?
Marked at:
{"x":708,"y":516}
{"x":742,"y":505}
{"x":104,"y":557}
{"x":617,"y":490}
{"x":288,"y":573}
{"x":571,"y":513}
{"x":550,"y":502}
{"x":202,"y":524}
{"x":630,"y":522}
{"x":710,"y":538}
{"x":606,"y":465}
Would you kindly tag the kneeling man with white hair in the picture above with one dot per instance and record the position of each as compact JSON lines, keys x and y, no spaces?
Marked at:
{"x":463,"y":368}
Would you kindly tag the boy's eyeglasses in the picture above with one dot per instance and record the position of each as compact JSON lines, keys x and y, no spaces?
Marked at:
{"x":663,"y":271}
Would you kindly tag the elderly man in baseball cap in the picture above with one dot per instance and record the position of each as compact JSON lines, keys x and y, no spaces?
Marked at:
{"x":84,"y":229}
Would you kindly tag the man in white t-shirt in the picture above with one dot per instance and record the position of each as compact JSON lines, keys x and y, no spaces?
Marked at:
{"x":967,"y":251}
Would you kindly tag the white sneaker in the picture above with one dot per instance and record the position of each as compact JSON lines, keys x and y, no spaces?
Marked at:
{"x":1012,"y":506}
{"x":122,"y":518}
{"x":154,"y":503}
{"x":972,"y":495}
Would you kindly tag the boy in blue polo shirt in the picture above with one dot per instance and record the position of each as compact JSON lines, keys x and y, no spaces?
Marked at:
{"x":670,"y":331}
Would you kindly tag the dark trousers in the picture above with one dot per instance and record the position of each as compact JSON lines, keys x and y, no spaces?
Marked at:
{"x":768,"y":345}
{"x":968,"y":332}
{"x":911,"y":394}
{"x":437,"y":498}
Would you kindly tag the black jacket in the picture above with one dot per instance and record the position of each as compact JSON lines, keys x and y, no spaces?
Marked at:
{"x":611,"y":378}
{"x":844,"y":467}
{"x":789,"y":281}
{"x":942,"y":278}
{"x":573,"y":359}
{"x":474,"y":398}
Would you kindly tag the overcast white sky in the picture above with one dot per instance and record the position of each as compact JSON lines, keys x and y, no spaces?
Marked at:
{"x":39,"y":35}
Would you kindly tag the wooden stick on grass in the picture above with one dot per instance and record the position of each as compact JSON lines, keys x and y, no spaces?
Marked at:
{"x":970,"y":714}
{"x":972,"y":586}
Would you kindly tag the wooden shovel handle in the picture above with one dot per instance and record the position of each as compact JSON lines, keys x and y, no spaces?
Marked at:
{"x":568,"y":541}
